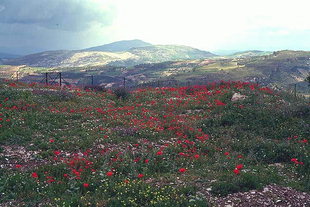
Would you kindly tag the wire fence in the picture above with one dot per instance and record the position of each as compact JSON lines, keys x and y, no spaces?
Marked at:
{"x":88,"y":81}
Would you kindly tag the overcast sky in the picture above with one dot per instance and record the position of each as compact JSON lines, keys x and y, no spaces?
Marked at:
{"x":28,"y":26}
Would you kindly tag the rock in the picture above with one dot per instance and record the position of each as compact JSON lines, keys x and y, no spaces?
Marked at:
{"x":238,"y":96}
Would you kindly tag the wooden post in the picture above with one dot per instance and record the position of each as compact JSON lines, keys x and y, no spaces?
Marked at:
{"x":46,"y":78}
{"x":124,"y":82}
{"x":16,"y":76}
{"x":59,"y":79}
{"x":295,"y":90}
{"x":92,"y":80}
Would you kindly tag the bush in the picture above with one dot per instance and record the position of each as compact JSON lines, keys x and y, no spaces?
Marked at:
{"x":53,"y":96}
{"x":121,"y":93}
{"x":243,"y":182}
{"x":95,"y":88}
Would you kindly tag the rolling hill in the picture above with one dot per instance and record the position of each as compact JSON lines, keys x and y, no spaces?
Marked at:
{"x":119,"y":46}
{"x":250,"y":53}
{"x":129,"y":54}
{"x":281,"y":69}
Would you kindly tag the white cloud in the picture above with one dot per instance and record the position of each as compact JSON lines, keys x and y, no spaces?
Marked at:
{"x":208,"y":24}
{"x":205,"y":24}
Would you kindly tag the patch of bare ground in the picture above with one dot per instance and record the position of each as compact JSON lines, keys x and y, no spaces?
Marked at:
{"x":18,"y":155}
{"x":271,"y":195}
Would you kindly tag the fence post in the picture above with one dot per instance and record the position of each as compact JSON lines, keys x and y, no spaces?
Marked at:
{"x":16,"y":76}
{"x":59,"y":79}
{"x":295,"y":90}
{"x":124,"y":82}
{"x":46,"y":78}
{"x":92,"y":80}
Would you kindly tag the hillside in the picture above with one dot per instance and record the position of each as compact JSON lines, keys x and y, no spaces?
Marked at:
{"x":250,"y":53}
{"x":163,"y":53}
{"x":279,"y":70}
{"x":119,"y":46}
{"x":127,"y":56}
{"x":224,"y":143}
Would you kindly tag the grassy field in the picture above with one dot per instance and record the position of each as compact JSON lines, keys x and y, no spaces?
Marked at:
{"x":148,"y":147}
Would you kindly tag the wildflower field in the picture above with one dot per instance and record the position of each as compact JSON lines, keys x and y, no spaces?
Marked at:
{"x":148,"y":147}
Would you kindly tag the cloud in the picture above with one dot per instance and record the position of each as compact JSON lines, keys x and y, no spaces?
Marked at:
{"x":1,"y":8}
{"x":28,"y":26}
{"x":205,"y":24}
{"x":68,"y":15}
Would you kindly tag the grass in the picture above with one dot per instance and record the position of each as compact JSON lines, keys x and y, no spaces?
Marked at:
{"x":120,"y":148}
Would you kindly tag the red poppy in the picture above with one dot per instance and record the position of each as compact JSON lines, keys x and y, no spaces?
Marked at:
{"x":86,"y":185}
{"x":239,"y":167}
{"x":110,"y":173}
{"x":294,"y":160}
{"x":18,"y":166}
{"x":50,"y":180}
{"x":140,"y":176}
{"x":226,"y":153}
{"x":236,"y":171}
{"x":146,"y":161}
{"x":52,"y":140}
{"x":159,"y":153}
{"x":196,"y":156}
{"x":56,"y":152}
{"x":34,"y":175}
{"x":219,"y":103}
{"x":182,"y":170}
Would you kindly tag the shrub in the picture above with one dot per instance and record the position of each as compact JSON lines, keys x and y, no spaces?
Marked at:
{"x":121,"y":93}
{"x":53,"y":96}
{"x":95,"y":88}
{"x":243,"y":182}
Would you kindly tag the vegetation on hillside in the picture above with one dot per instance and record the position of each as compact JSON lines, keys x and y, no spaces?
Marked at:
{"x":279,"y":70}
{"x":118,"y":148}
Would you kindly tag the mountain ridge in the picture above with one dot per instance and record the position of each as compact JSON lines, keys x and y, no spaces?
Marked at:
{"x":119,"y":46}
{"x":133,"y":55}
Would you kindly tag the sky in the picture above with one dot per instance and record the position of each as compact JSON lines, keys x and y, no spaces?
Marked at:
{"x":28,"y":26}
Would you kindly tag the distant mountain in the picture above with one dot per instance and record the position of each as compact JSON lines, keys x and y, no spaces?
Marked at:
{"x":224,"y":52}
{"x":133,"y":56}
{"x":281,"y":69}
{"x":52,"y":58}
{"x":162,"y":53}
{"x":8,"y":56}
{"x":250,"y":53}
{"x":120,"y":46}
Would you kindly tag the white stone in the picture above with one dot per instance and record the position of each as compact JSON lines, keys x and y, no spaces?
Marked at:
{"x":238,"y":96}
